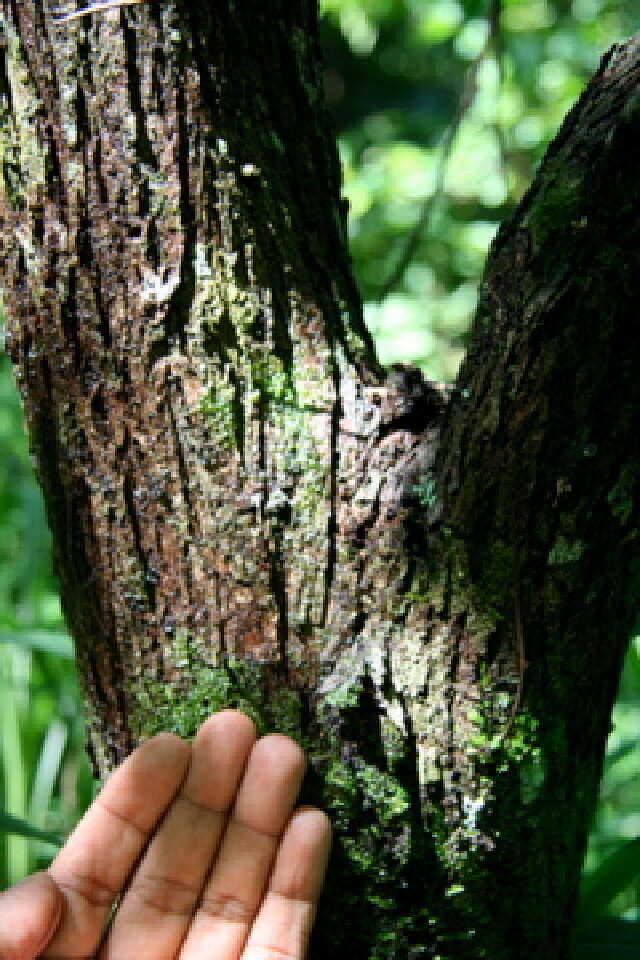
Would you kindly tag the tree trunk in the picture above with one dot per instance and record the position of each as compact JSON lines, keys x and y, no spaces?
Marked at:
{"x":432,"y":588}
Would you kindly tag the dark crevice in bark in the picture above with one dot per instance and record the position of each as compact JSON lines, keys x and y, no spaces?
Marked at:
{"x":38,"y":226}
{"x":237,"y":412}
{"x":183,"y":471}
{"x":98,"y":409}
{"x":158,"y":71}
{"x":280,"y":310}
{"x":405,"y":768}
{"x":221,"y":338}
{"x":182,"y":297}
{"x":103,"y":194}
{"x":159,"y":348}
{"x":82,"y":126}
{"x":143,"y":149}
{"x":85,"y":253}
{"x":332,"y":519}
{"x":103,"y":313}
{"x":278,"y":585}
{"x":183,"y":474}
{"x":153,"y":245}
{"x":13,"y":4}
{"x":148,"y":577}
{"x":69,"y":318}
{"x":144,"y":206}
{"x":361,"y":726}
{"x":5,"y":86}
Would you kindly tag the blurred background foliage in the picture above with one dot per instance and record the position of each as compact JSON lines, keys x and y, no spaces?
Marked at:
{"x":443,"y":109}
{"x":400,"y":74}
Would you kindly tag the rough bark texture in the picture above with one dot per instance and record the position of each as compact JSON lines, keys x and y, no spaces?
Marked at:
{"x":432,"y":589}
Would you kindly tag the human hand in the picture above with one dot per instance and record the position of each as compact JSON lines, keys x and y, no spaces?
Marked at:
{"x":200,"y":842}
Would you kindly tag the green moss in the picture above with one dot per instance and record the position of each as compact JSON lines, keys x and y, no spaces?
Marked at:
{"x":556,"y":208}
{"x":522,"y":746}
{"x":394,"y":740}
{"x":284,"y":714}
{"x":342,"y":697}
{"x":382,"y":791}
{"x":299,"y":457}
{"x":159,"y":706}
{"x":182,"y":707}
{"x":217,"y":407}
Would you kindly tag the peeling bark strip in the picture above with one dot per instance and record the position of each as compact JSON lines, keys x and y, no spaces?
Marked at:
{"x":248,"y":511}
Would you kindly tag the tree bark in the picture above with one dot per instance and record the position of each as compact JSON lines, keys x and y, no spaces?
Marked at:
{"x":430,"y":587}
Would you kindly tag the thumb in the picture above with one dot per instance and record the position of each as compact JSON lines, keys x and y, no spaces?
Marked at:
{"x":29,"y":915}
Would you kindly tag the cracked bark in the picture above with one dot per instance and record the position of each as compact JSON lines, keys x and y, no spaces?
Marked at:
{"x":248,"y":510}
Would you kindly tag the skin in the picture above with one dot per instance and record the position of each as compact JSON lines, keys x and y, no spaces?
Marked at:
{"x":203,"y":847}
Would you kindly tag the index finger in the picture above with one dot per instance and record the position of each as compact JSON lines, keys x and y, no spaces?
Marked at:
{"x":93,"y":866}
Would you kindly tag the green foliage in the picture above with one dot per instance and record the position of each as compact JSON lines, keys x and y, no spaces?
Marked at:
{"x":395,"y":76}
{"x":162,"y":706}
{"x":45,"y":782}
{"x":610,"y":878}
{"x":612,"y":866}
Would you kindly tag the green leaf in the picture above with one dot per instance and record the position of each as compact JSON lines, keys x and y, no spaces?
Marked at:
{"x":612,"y":876}
{"x":50,"y":642}
{"x":47,"y":770}
{"x":15,"y":825}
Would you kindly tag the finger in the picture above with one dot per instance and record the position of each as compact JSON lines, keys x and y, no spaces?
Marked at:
{"x":159,"y":903}
{"x":29,"y":915}
{"x":233,"y":893}
{"x":93,"y":866}
{"x":283,"y":925}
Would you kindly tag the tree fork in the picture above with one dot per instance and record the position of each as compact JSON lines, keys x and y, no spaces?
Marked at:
{"x":247,"y":510}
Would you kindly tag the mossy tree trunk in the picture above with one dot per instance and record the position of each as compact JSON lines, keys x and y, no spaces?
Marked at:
{"x":432,"y":588}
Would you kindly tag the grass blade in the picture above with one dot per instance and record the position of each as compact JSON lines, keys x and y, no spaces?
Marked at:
{"x":47,"y":771}
{"x":16,"y":826}
{"x":51,"y":642}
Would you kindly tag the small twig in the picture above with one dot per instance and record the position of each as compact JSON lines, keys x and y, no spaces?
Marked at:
{"x":467,"y":97}
{"x":96,"y":8}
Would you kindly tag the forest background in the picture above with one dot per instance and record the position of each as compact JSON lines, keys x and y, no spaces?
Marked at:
{"x":443,"y":108}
